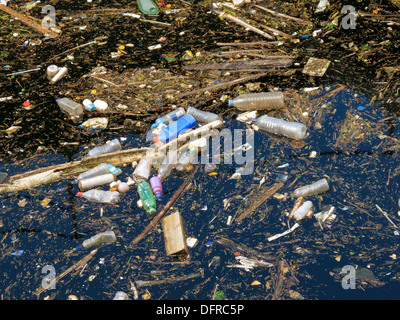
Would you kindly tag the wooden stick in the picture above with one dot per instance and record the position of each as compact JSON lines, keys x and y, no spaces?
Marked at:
{"x":28,"y":21}
{"x":164,"y":210}
{"x":257,"y":43}
{"x":245,"y":24}
{"x":221,"y":85}
{"x":281,"y":15}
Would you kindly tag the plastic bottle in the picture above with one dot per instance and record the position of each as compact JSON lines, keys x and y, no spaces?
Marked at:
{"x":70,"y":107}
{"x":143,"y":169}
{"x":184,"y":159}
{"x":294,"y":130}
{"x":121,"y":296}
{"x":156,"y":186}
{"x":100,"y":238}
{"x":170,"y":117}
{"x":166,"y":168}
{"x":175,"y":128}
{"x":147,"y":196}
{"x":99,"y":195}
{"x":60,"y":74}
{"x":317,"y":187}
{"x":103,"y":168}
{"x":113,"y":145}
{"x":88,"y":105}
{"x":258,"y":101}
{"x":301,"y":212}
{"x":202,"y":116}
{"x":51,"y":71}
{"x":93,"y":182}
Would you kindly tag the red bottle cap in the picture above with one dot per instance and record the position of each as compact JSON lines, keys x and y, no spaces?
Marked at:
{"x":156,"y":139}
{"x":26,"y":104}
{"x":79,"y":194}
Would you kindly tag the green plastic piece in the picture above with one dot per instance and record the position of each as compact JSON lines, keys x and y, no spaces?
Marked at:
{"x":147,"y":196}
{"x":148,"y":7}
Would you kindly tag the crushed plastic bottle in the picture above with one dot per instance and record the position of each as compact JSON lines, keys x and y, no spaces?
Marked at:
{"x":202,"y":116}
{"x":112,"y":146}
{"x":294,"y":130}
{"x":258,"y":101}
{"x":99,"y":195}
{"x":317,"y":187}
{"x":169,"y":163}
{"x":169,"y":117}
{"x":100,"y":239}
{"x":147,"y":196}
{"x":156,"y":186}
{"x":143,"y":169}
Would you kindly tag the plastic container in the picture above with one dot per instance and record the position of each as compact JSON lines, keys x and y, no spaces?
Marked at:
{"x":175,"y":128}
{"x":317,"y":187}
{"x":294,"y":130}
{"x":100,"y":105}
{"x":120,"y":295}
{"x":93,"y":182}
{"x":103,"y":168}
{"x":142,"y":170}
{"x":99,"y":239}
{"x":169,"y":163}
{"x":51,"y":71}
{"x":302,"y":211}
{"x":258,"y":101}
{"x":99,"y":195}
{"x":88,"y":105}
{"x":147,"y":196}
{"x":95,"y":123}
{"x":156,"y":186}
{"x":70,"y":107}
{"x":62,"y":72}
{"x":202,"y":116}
{"x":112,"y":146}
{"x":170,"y":117}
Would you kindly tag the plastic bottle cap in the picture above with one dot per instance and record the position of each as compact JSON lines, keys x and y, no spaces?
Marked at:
{"x":57,"y":99}
{"x":159,"y":196}
{"x":79,"y":194}
{"x":230,"y":103}
{"x":156,"y":139}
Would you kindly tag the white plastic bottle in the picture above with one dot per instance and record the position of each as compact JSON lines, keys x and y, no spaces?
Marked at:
{"x":62,"y":72}
{"x":88,"y":105}
{"x":51,"y":71}
{"x":317,"y":187}
{"x":258,"y":101}
{"x":93,"y":182}
{"x":302,"y":211}
{"x":99,"y":195}
{"x":294,"y":130}
{"x":99,"y":239}
{"x":113,"y":145}
{"x":202,"y":116}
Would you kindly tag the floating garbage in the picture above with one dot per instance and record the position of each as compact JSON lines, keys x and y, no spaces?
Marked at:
{"x":99,"y":195}
{"x":111,"y":146}
{"x":294,"y":130}
{"x":174,"y":235}
{"x":99,"y":239}
{"x":320,"y":186}
{"x":258,"y":101}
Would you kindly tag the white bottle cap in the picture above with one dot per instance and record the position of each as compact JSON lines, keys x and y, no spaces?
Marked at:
{"x":100,"y":105}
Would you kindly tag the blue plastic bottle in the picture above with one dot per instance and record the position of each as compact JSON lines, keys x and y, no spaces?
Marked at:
{"x":175,"y":128}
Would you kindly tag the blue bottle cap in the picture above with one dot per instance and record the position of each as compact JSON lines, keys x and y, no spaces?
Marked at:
{"x":230,"y":102}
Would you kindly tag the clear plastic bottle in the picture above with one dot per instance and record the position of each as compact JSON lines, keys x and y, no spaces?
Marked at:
{"x":147,"y":196}
{"x":202,"y":116}
{"x":70,"y":107}
{"x":99,"y":239}
{"x":103,"y":168}
{"x":170,"y":117}
{"x":302,"y":211}
{"x":169,"y":163}
{"x":294,"y":130}
{"x":143,"y":169}
{"x":258,"y":101}
{"x":93,"y":182}
{"x":317,"y":187}
{"x":99,"y":195}
{"x":113,"y":145}
{"x":156,"y":186}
